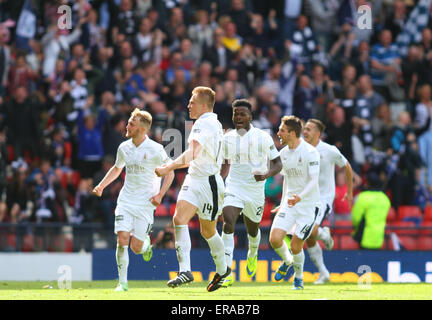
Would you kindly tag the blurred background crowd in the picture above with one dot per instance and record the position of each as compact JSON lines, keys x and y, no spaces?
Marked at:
{"x":66,"y":94}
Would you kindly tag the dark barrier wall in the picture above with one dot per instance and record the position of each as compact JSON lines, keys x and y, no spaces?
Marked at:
{"x":344,"y":266}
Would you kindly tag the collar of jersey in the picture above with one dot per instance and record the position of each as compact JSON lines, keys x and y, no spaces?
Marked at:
{"x":141,"y":144}
{"x":207,"y":114}
{"x":250,"y":129}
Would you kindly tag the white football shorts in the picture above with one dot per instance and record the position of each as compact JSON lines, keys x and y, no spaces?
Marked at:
{"x":252,"y":208}
{"x":302,"y":217}
{"x":325,"y":210}
{"x":205,"y":193}
{"x":134,"y":219}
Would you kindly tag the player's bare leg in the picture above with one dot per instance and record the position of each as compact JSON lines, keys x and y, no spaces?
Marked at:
{"x":254,"y":238}
{"x":183,"y":214}
{"x":142,"y":247}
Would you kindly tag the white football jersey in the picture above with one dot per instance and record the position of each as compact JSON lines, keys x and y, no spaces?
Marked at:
{"x":207,"y":130}
{"x":297,"y":166}
{"x":141,"y":182}
{"x":248,"y":154}
{"x":329,"y":156}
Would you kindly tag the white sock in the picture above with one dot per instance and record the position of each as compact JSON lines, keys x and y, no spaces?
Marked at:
{"x":321,"y":235}
{"x":217,"y":250}
{"x":284,"y":253}
{"x":254,"y":244}
{"x":122,"y":258}
{"x":228,"y":240}
{"x":316,"y":256}
{"x":298,"y":264}
{"x":183,"y":247}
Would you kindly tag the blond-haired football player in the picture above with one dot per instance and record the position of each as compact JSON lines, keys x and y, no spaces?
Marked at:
{"x":141,"y":193}
{"x":202,"y":190}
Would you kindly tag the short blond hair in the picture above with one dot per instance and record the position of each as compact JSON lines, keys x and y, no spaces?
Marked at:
{"x":205,"y":95}
{"x":144,"y":117}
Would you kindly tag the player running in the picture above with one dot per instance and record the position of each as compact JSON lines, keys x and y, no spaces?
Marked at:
{"x":247,"y":151}
{"x":329,"y":157}
{"x":202,"y":190}
{"x":140,"y":194}
{"x":300,"y":198}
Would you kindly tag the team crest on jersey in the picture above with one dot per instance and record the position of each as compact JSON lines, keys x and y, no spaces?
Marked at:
{"x":300,"y":160}
{"x":145,"y":156}
{"x":185,"y":188}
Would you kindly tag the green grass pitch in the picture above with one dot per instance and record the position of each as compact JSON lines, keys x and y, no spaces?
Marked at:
{"x":157,"y":290}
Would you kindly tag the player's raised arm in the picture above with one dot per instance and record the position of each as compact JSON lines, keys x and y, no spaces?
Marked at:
{"x":185,"y":158}
{"x":110,"y":176}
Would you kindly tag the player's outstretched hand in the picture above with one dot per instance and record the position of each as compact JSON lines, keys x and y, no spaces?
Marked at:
{"x":275,"y":210}
{"x":161,"y":171}
{"x":156,"y":200}
{"x":293,"y":200}
{"x":97,"y":191}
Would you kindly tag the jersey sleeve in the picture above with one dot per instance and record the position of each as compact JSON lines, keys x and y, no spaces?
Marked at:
{"x":120,"y":162}
{"x":200,"y":132}
{"x":338,"y":157}
{"x":228,"y":147}
{"x":271,"y":148}
{"x":163,"y":157}
{"x":313,"y":163}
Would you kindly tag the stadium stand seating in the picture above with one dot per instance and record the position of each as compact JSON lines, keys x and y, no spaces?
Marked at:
{"x":424,"y":243}
{"x":410,"y":213}
{"x":428,"y":213}
{"x":391,"y":215}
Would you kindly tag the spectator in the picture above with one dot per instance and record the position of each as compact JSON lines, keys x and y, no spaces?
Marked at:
{"x":143,"y":40}
{"x":304,"y":99}
{"x":369,"y":214}
{"x":292,"y":11}
{"x":22,"y":122}
{"x":231,"y":40}
{"x":405,"y":150}
{"x":5,"y":60}
{"x":78,"y":92}
{"x":361,"y":58}
{"x":341,"y":207}
{"x":241,"y":17}
{"x":90,"y":145}
{"x":382,"y":126}
{"x":423,"y":109}
{"x":201,"y":33}
{"x":190,"y":57}
{"x":302,"y":44}
{"x":218,"y":55}
{"x":386,"y":67}
{"x":175,"y":28}
{"x":339,"y":129}
{"x":264,"y":35}
{"x":175,"y":67}
{"x":413,"y":71}
{"x":322,"y":91}
{"x":125,"y":20}
{"x":395,"y":21}
{"x":54,"y":42}
{"x":20,"y":74}
{"x":323,"y":19}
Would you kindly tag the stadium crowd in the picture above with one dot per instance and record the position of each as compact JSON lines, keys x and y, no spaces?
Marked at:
{"x":66,"y":94}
